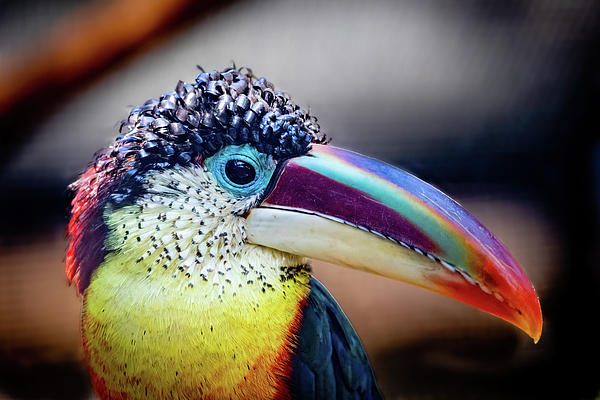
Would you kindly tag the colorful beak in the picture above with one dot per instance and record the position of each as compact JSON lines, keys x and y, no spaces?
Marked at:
{"x":341,"y":207}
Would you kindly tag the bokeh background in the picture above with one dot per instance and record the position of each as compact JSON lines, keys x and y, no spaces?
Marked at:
{"x":495,"y":102}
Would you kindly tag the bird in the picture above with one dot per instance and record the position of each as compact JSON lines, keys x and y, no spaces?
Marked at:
{"x":191,"y":237}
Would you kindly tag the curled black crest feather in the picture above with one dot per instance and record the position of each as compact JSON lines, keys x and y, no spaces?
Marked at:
{"x":219,"y":108}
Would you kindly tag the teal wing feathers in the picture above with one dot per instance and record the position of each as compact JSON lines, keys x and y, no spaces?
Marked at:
{"x":330,"y":361}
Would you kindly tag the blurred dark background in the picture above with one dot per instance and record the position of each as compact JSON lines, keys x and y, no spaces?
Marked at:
{"x":495,"y":102}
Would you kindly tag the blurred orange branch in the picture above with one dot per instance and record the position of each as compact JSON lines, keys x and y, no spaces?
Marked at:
{"x":84,"y":43}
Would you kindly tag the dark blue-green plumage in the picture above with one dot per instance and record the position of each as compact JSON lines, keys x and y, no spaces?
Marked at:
{"x":330,"y":361}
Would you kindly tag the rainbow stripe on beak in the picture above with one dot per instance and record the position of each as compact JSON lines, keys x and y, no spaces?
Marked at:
{"x":343,"y":208}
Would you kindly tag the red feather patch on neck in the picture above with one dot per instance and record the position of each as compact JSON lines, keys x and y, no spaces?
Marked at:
{"x":86,"y":228}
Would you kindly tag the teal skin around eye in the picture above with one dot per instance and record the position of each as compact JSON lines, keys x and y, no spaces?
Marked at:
{"x":263,"y":165}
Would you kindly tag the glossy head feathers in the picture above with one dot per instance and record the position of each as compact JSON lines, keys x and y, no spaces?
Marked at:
{"x":183,"y":127}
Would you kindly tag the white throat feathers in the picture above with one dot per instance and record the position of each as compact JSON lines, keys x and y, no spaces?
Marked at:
{"x":187,"y":227}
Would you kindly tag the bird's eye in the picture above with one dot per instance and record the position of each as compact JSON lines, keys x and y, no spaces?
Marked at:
{"x":240,"y":172}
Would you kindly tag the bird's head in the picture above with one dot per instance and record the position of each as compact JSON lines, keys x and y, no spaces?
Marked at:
{"x":229,"y":166}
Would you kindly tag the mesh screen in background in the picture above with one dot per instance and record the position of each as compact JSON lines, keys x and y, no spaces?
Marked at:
{"x":494,"y":102}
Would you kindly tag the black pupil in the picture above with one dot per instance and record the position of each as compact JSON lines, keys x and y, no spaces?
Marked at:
{"x":240,"y":172}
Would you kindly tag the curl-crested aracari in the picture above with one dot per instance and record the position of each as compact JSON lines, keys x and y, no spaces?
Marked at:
{"x":191,"y":236}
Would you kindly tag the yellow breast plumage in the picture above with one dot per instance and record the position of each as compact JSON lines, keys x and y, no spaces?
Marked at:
{"x":148,"y":332}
